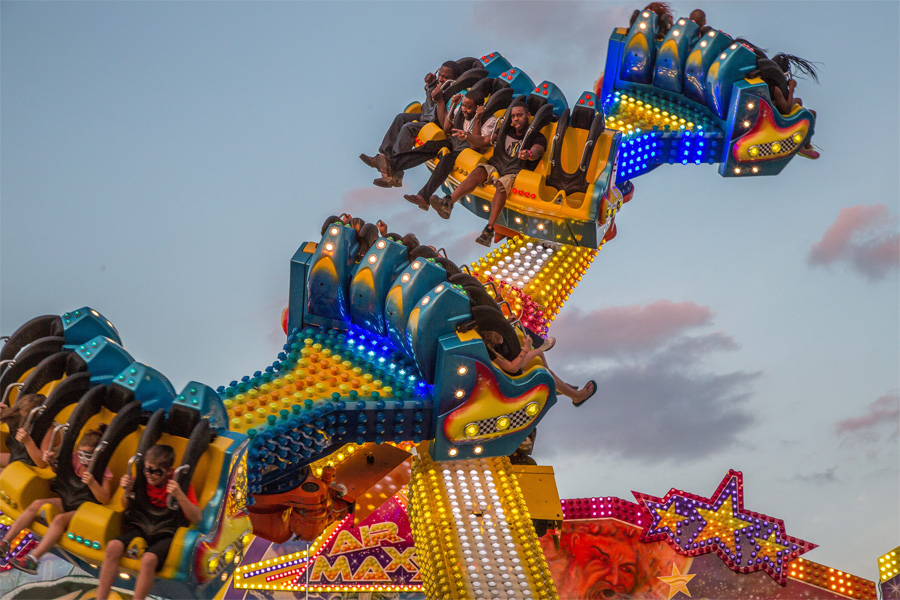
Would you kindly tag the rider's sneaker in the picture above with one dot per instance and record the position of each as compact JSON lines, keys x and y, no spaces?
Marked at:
{"x":417,"y":200}
{"x":443,"y":206}
{"x":486,"y":237}
{"x":808,"y":152}
{"x":28,"y":564}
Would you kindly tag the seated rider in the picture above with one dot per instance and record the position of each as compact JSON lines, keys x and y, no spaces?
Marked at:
{"x":148,"y":516}
{"x":401,"y":135}
{"x":22,"y":448}
{"x":664,"y":18}
{"x":100,"y":492}
{"x":501,"y":169}
{"x":493,"y":340}
{"x":522,"y":455}
{"x":698,"y":16}
{"x":778,"y":76}
{"x":467,"y":128}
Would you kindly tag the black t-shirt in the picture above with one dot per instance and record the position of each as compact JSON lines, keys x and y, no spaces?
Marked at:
{"x":505,"y":158}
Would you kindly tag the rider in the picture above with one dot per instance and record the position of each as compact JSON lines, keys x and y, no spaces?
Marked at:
{"x":508,"y":159}
{"x":401,"y":135}
{"x":147,"y":515}
{"x":97,"y":491}
{"x":467,"y":128}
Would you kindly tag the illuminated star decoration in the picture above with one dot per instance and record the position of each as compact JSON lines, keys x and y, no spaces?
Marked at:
{"x":677,"y":582}
{"x":746,"y":541}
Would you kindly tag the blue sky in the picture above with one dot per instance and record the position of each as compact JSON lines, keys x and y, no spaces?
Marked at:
{"x":161,"y":162}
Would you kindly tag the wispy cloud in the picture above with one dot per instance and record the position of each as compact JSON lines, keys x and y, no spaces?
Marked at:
{"x":656,"y":401}
{"x":825,"y":477}
{"x":628,"y":329}
{"x":588,"y":22}
{"x":881,"y":416}
{"x":864,"y":236}
{"x":367,"y":201}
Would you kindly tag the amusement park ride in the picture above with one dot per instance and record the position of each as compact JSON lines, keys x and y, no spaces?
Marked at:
{"x":380,"y":435}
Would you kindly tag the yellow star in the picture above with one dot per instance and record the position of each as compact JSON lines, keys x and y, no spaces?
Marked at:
{"x":769,"y":547}
{"x":677,"y":582}
{"x":722,"y":523}
{"x":669,"y":519}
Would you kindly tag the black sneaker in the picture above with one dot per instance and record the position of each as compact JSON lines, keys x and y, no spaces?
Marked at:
{"x":442,"y":206}
{"x":486,"y":237}
{"x":417,"y":200}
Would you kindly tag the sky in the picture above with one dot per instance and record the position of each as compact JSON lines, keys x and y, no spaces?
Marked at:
{"x":161,"y":163}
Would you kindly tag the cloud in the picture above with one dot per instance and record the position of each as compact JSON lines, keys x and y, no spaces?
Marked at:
{"x":881,"y":415}
{"x":825,"y":477}
{"x":656,"y":403}
{"x":588,"y":22}
{"x":369,"y":201}
{"x":865,"y":236}
{"x":628,"y":329}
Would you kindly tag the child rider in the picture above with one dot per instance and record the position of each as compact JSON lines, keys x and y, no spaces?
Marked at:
{"x":147,"y":516}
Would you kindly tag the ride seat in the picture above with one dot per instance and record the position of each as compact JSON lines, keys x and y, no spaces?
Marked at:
{"x":733,"y":64}
{"x":93,"y":525}
{"x":102,"y":524}
{"x":464,"y":82}
{"x":471,"y":420}
{"x":35,"y":329}
{"x":639,"y":49}
{"x":577,"y":162}
{"x":698,"y":62}
{"x":573,"y":152}
{"x":42,"y":379}
{"x":26,"y":360}
{"x":469,"y":62}
{"x":23,"y":484}
{"x":51,"y":371}
{"x":668,"y":69}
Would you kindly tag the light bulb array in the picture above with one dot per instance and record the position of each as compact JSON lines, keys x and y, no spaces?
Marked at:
{"x":22,"y":543}
{"x":600,"y":508}
{"x":270,"y":574}
{"x":888,"y":567}
{"x":658,"y":130}
{"x":834,"y":580}
{"x":328,"y":387}
{"x":536,"y":277}
{"x":746,"y":541}
{"x":474,"y":536}
{"x":644,"y":111}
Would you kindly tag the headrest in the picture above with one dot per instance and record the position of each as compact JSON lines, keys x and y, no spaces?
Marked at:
{"x":35,"y":329}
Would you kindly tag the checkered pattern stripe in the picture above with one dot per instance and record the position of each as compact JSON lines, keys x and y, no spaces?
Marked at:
{"x":787,"y":146}
{"x":488,"y":426}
